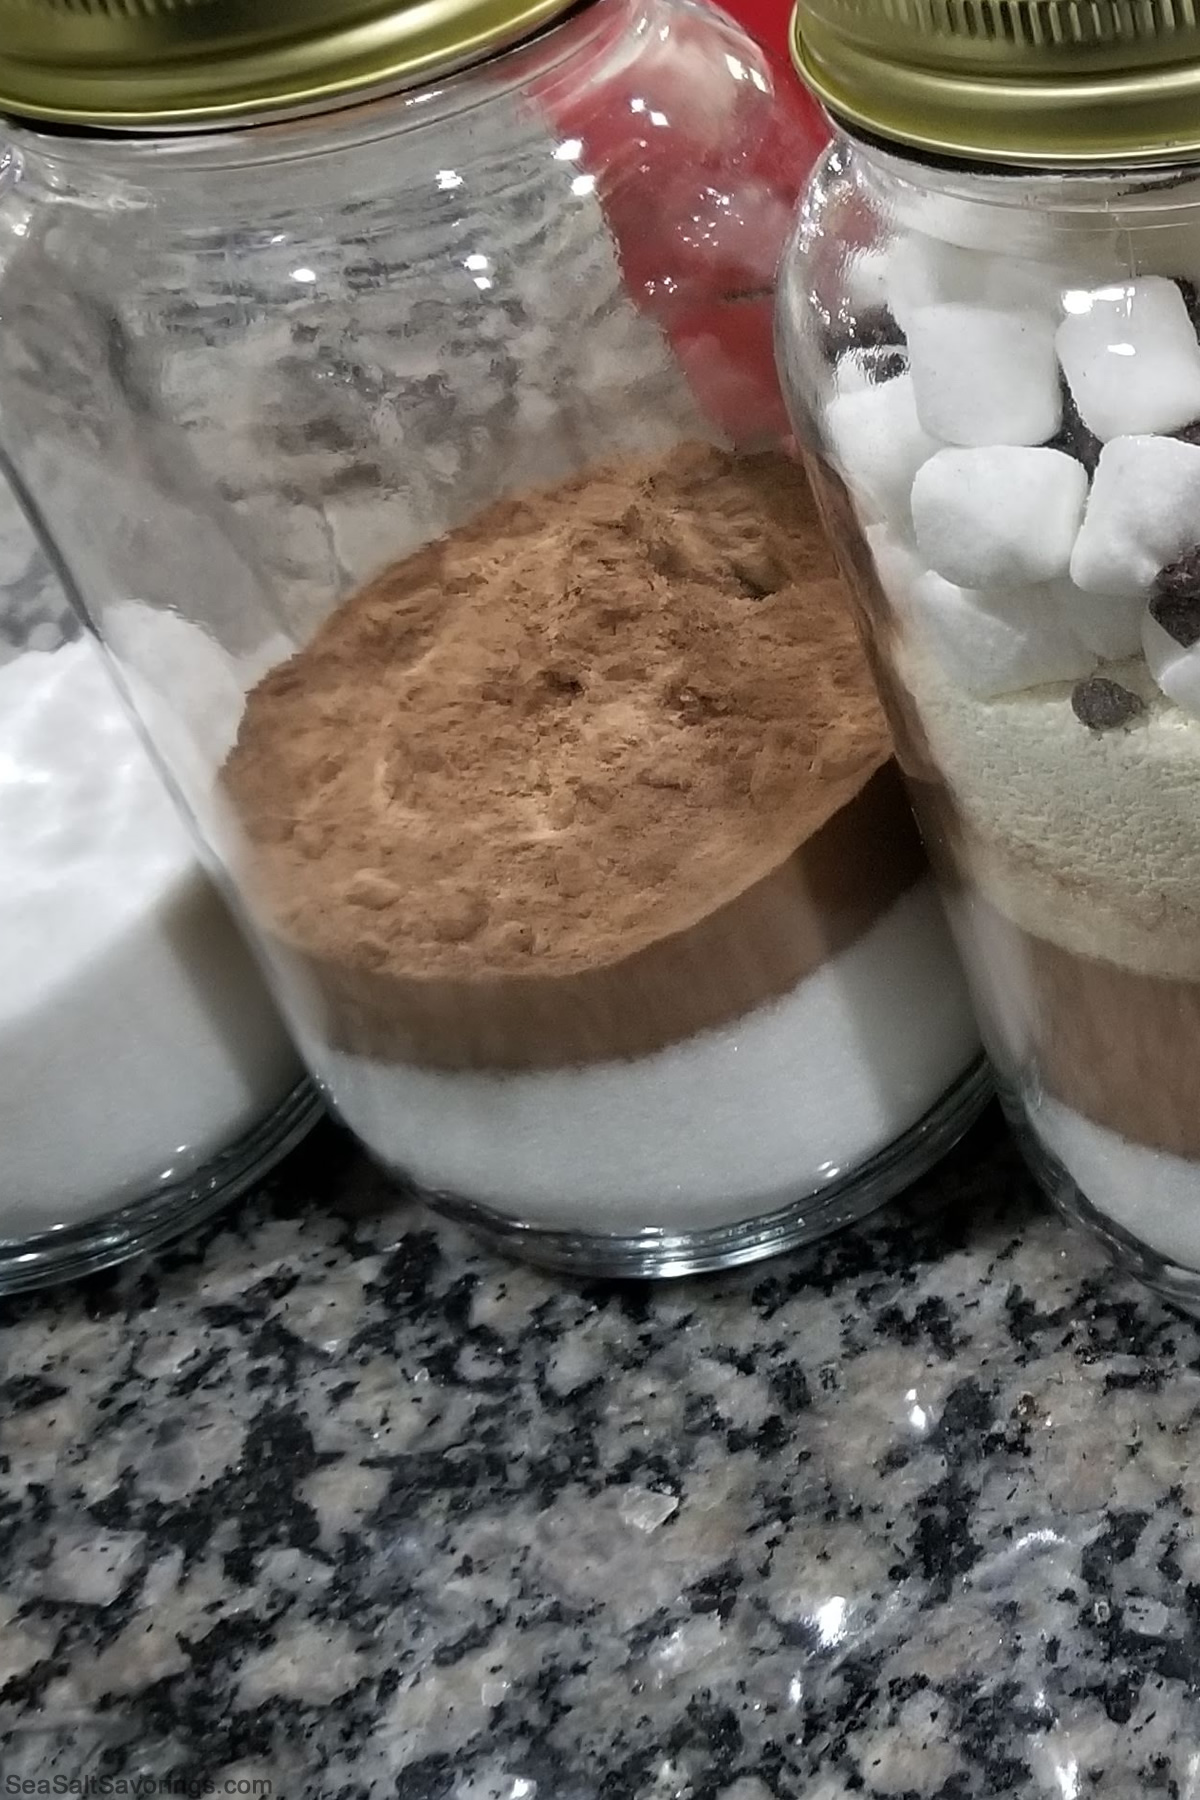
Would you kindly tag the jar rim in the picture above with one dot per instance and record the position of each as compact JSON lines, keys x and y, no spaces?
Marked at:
{"x":1037,"y":84}
{"x":188,"y":66}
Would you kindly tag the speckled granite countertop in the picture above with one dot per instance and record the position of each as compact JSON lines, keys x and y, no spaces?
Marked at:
{"x":334,"y":1501}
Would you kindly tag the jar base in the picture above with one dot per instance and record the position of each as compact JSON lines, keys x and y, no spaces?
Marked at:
{"x":52,"y":1257}
{"x":1179,"y":1287}
{"x":656,"y":1254}
{"x":1159,"y":1275}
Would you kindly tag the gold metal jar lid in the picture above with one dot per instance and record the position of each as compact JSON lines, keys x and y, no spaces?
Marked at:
{"x":1037,"y":82}
{"x":155,"y":65}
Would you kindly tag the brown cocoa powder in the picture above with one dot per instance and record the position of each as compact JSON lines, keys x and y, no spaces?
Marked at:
{"x":577,"y":727}
{"x":1111,"y":1043}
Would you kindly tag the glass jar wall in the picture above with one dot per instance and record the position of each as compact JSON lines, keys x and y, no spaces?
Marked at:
{"x":555,"y":787}
{"x":1000,"y":373}
{"x":145,"y":1076}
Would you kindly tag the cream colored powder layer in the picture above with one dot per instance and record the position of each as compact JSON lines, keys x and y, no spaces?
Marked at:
{"x":1090,"y":840}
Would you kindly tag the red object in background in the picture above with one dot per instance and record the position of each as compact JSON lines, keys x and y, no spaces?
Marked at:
{"x":766,"y":20}
{"x":698,"y":165}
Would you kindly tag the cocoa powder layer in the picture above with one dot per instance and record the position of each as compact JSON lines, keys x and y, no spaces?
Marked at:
{"x":593,"y":772}
{"x":1116,"y":1045}
{"x":1113,"y":1043}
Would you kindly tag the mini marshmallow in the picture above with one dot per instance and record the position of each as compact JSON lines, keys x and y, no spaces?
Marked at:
{"x":928,"y":271}
{"x":1142,"y":513}
{"x":1003,"y":517}
{"x":851,"y":373}
{"x":878,"y":444}
{"x":1027,"y":286}
{"x":1109,"y":625}
{"x":996,"y":643}
{"x":984,"y":375}
{"x":923,"y":272}
{"x":1131,"y":358}
{"x":1175,"y":666}
{"x":865,"y":278}
{"x":1020,"y":234}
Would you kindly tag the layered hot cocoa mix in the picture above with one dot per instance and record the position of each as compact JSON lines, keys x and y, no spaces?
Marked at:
{"x":1085,"y":888}
{"x":597,"y":771}
{"x":1010,"y":416}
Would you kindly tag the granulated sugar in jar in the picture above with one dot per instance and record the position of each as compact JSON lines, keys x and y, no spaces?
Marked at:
{"x":145,"y":1075}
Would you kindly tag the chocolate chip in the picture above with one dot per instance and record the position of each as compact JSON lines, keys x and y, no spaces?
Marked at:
{"x":1175,"y":603}
{"x":874,"y":328}
{"x":1191,"y":299}
{"x":881,"y":362}
{"x":878,"y":326}
{"x":1104,"y":705}
{"x":885,"y":362}
{"x":1189,"y":434}
{"x":1073,"y":436}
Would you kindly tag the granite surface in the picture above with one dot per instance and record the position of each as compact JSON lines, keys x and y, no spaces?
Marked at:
{"x":332,"y":1500}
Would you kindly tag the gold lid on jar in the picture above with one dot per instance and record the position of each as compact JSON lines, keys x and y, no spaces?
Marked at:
{"x":1035,"y":82}
{"x":157,"y":65}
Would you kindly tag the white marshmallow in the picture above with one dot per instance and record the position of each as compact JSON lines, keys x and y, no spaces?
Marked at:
{"x":1109,"y":625}
{"x":1021,"y":285}
{"x":924,"y":272}
{"x":1003,"y":517}
{"x":995,"y":643}
{"x":1021,"y":233}
{"x":878,"y":444}
{"x":1175,"y":666}
{"x":984,"y":374}
{"x":865,"y":278}
{"x":1130,"y":355}
{"x":851,"y":373}
{"x":1142,"y":513}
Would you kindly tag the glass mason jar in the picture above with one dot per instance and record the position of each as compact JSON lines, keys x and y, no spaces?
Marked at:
{"x":563,"y":810}
{"x":998,"y":368}
{"x":146,"y":1079}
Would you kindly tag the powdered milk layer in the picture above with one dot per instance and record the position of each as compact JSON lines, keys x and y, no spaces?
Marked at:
{"x":729,"y":1124}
